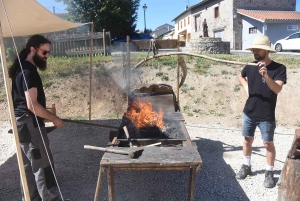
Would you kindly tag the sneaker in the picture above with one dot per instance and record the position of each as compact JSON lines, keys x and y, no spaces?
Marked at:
{"x":244,"y":171}
{"x":269,"y":179}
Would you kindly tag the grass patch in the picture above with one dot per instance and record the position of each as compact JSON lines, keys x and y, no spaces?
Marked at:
{"x":237,"y":88}
{"x":165,"y":78}
{"x":159,"y":74}
{"x":47,"y":84}
{"x":55,"y":96}
{"x":224,"y":72}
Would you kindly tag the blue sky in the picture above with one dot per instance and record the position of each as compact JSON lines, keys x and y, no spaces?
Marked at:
{"x":158,"y":12}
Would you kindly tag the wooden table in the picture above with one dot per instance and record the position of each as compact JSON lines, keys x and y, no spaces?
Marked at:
{"x":183,"y":156}
{"x":152,"y":158}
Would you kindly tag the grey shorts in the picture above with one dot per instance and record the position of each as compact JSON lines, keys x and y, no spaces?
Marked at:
{"x":267,"y":128}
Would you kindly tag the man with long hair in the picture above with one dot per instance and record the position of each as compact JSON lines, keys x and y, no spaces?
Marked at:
{"x":30,"y":111}
{"x":262,"y":85}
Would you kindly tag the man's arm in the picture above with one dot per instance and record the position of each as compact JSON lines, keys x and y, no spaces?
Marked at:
{"x":39,"y":109}
{"x":275,"y":86}
{"x":244,"y":83}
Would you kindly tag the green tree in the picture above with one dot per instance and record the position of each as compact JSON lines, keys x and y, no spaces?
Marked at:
{"x":117,"y":16}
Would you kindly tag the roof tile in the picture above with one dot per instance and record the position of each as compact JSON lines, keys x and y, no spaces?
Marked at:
{"x":264,"y":15}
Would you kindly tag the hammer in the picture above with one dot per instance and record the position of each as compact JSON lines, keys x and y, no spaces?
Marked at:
{"x":132,"y":154}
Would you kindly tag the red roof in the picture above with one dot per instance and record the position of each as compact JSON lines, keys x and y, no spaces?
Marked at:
{"x":265,"y":15}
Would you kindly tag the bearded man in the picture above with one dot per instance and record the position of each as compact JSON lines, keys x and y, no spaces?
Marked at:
{"x":261,"y":84}
{"x":30,"y":111}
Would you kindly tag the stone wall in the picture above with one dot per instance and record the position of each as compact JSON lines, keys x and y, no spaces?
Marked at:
{"x":267,"y":4}
{"x":207,"y":45}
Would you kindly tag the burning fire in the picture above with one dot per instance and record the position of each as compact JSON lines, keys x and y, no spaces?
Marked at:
{"x":142,"y":115}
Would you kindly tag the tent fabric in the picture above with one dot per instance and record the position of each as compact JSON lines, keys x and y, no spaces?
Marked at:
{"x":28,"y":17}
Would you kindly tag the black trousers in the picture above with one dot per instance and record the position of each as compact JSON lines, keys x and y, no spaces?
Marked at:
{"x":39,"y":175}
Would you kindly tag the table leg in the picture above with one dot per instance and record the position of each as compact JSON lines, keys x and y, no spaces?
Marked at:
{"x":110,"y":177}
{"x":98,"y":184}
{"x":192,"y":183}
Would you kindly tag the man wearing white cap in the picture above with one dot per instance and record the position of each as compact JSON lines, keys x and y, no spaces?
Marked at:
{"x":262,"y":84}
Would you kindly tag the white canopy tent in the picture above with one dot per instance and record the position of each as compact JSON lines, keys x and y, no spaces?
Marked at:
{"x":23,"y":18}
{"x":28,"y":17}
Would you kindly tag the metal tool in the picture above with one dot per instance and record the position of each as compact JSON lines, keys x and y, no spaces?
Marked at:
{"x":132,"y":154}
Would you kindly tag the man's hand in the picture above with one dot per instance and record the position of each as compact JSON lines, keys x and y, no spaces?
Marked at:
{"x":58,"y":123}
{"x":275,"y":86}
{"x":262,"y":69}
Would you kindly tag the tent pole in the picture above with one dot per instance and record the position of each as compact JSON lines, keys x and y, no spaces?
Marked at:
{"x":12,"y":118}
{"x":91,"y":64}
{"x":178,"y":69}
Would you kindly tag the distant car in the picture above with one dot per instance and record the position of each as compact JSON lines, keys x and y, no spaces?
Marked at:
{"x":292,"y":42}
{"x":134,"y":36}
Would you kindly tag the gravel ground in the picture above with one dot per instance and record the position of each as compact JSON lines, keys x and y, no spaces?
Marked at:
{"x":219,"y":146}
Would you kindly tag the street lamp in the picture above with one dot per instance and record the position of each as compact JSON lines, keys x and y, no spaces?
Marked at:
{"x":145,"y":8}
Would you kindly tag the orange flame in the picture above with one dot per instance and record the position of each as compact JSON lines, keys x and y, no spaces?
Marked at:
{"x":143,"y":115}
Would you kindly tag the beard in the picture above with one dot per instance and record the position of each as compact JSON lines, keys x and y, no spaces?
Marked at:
{"x":260,"y":57}
{"x":40,"y":62}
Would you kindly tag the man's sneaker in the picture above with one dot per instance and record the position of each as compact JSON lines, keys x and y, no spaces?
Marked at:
{"x":244,"y":171}
{"x":269,"y":179}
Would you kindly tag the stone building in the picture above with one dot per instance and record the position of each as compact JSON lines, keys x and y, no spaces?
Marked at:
{"x":238,"y":21}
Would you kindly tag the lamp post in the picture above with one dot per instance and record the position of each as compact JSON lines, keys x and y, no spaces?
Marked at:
{"x":145,"y":8}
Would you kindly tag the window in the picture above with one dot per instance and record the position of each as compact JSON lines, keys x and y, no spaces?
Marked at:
{"x":188,"y":20}
{"x":294,"y":36}
{"x":217,"y":14}
{"x":181,"y":24}
{"x":197,"y":23}
{"x":184,"y":23}
{"x":252,"y":30}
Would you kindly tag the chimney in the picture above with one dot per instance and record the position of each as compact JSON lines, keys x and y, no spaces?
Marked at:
{"x":186,"y":7}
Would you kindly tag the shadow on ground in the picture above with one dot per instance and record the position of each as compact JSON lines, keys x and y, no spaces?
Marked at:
{"x":77,"y":171}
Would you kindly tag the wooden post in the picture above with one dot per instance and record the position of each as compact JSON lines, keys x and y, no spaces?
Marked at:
{"x":128,"y":63}
{"x":110,"y":178}
{"x":91,"y":64}
{"x":98,"y":184}
{"x":104,"y":46}
{"x":13,"y":118}
{"x":178,"y":68}
{"x":109,"y":39}
{"x":289,"y":180}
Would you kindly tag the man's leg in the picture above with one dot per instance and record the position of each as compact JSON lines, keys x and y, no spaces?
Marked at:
{"x":38,"y":160}
{"x":33,"y":192}
{"x":248,"y":130}
{"x":267,"y":131}
{"x":270,"y":153}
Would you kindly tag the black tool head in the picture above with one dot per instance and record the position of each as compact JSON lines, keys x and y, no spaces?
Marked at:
{"x":136,"y":153}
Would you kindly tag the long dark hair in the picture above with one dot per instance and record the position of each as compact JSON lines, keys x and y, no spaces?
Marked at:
{"x":34,"y":41}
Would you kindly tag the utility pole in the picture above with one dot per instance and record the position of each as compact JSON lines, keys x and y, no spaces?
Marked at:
{"x":53,"y":9}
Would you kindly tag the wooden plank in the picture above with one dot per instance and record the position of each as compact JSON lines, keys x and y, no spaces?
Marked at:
{"x":111,"y":185}
{"x":186,"y":134}
{"x":152,"y":139}
{"x":153,"y":157}
{"x":192,"y":184}
{"x":98,"y":185}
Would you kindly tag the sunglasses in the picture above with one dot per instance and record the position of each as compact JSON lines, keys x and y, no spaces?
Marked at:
{"x":44,"y":52}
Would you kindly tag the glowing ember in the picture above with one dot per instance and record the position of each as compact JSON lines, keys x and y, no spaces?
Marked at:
{"x":142,"y":115}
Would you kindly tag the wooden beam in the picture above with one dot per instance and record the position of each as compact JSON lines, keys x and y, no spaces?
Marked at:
{"x":13,"y":118}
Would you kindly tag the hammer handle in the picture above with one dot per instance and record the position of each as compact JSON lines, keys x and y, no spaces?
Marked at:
{"x":107,"y":149}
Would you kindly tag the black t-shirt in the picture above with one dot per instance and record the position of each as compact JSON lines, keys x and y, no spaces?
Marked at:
{"x":262,"y":100}
{"x":33,"y":79}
